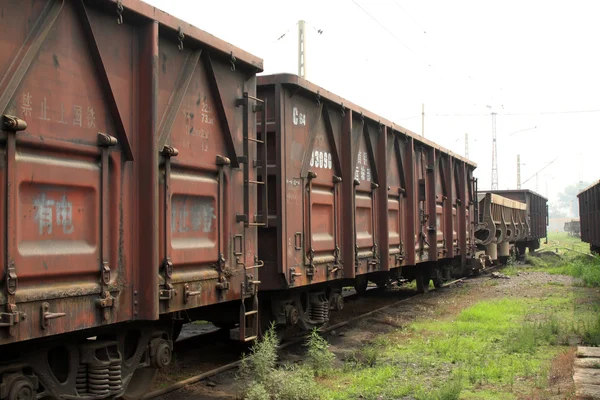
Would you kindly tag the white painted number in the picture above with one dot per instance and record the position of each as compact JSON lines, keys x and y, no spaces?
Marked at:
{"x":298,"y":118}
{"x":321,"y":159}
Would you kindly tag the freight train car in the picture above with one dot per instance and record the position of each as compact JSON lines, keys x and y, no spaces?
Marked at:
{"x":589,"y":216}
{"x":501,"y":222}
{"x":126,"y":190}
{"x":573,"y":228}
{"x":350,"y":198}
{"x":537,"y":217}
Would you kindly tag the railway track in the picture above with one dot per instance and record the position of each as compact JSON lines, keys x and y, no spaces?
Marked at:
{"x":232,"y":365}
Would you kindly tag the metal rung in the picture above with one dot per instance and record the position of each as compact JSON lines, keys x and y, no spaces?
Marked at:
{"x":256,"y":99}
{"x":250,"y":338}
{"x":256,"y":140}
{"x":251,"y":313}
{"x":256,"y":182}
{"x":256,"y":224}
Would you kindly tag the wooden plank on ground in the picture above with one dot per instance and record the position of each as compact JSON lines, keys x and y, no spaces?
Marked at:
{"x":583,"y":351}
{"x":585,"y":391}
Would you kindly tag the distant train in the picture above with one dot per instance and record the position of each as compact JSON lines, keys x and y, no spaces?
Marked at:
{"x":573,"y":228}
{"x":510,"y":220}
{"x":589,"y":216}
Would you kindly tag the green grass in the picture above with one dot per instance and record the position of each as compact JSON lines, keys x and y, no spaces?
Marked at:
{"x":495,"y":349}
{"x":570,"y":263}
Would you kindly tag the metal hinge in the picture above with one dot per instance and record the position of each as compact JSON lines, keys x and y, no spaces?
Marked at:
{"x":12,"y":317}
{"x":168,"y":293}
{"x":46,"y":315}
{"x":12,"y":280}
{"x":293,"y":275}
{"x":105,"y":300}
{"x":187,"y":293}
{"x":105,"y":273}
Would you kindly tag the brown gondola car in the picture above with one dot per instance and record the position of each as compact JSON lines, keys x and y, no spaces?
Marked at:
{"x":501,"y":222}
{"x":124,"y":188}
{"x":352,"y":198}
{"x":537,"y":217}
{"x":589,"y":216}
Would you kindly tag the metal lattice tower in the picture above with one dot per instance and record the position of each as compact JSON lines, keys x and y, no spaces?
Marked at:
{"x":494,"y":155}
{"x":518,"y":171}
{"x":466,"y":145}
{"x":302,"y":49}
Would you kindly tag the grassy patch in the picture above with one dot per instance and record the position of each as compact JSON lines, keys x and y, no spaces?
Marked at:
{"x":571,"y":262}
{"x":493,"y":349}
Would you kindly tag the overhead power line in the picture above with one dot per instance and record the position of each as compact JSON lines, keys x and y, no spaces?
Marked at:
{"x":410,"y":16}
{"x":390,"y":32}
{"x":514,"y":114}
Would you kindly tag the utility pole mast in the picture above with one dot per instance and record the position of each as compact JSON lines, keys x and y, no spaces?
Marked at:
{"x":466,"y":145}
{"x":518,"y":171}
{"x":302,"y":49}
{"x":494,"y":154}
{"x":423,"y":119}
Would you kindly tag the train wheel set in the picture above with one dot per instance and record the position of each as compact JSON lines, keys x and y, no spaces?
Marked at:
{"x":150,"y":177}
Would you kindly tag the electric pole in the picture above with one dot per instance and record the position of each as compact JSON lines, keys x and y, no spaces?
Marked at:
{"x":302,"y":49}
{"x":423,"y":119}
{"x":518,"y":171}
{"x":494,"y":154}
{"x":466,"y":145}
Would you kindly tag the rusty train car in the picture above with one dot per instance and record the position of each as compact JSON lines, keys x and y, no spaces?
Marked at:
{"x":589,"y":216}
{"x":502,"y":222}
{"x":537,"y":218}
{"x":124,"y":185}
{"x":150,"y":178}
{"x":350,"y":198}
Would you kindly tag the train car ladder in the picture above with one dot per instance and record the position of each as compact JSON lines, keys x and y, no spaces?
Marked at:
{"x":261,"y":105}
{"x":249,"y":314}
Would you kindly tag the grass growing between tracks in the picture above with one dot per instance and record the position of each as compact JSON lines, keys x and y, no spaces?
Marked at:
{"x":571,"y":262}
{"x":260,"y":378}
{"x":495,"y":349}
{"x":499,"y":348}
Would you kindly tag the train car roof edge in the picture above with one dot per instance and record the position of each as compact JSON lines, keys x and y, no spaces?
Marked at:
{"x":588,"y":188}
{"x":514,"y":191}
{"x":291,"y":79}
{"x":151,"y":12}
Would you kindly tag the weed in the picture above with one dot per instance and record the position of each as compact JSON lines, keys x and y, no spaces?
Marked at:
{"x":448,"y":391}
{"x":365,"y":357}
{"x":256,"y":368}
{"x":318,"y":356}
{"x":260,"y":379}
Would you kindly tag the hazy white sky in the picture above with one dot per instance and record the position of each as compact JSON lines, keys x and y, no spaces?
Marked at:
{"x":536,"y":62}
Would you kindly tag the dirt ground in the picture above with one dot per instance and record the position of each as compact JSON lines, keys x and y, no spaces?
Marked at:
{"x":443,"y":302}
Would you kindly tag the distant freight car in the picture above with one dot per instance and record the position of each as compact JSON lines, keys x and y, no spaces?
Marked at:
{"x":352,"y":198}
{"x":501,"y":222}
{"x":124,"y":191}
{"x":573,"y":228}
{"x":589,"y":216}
{"x":537,"y":217}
